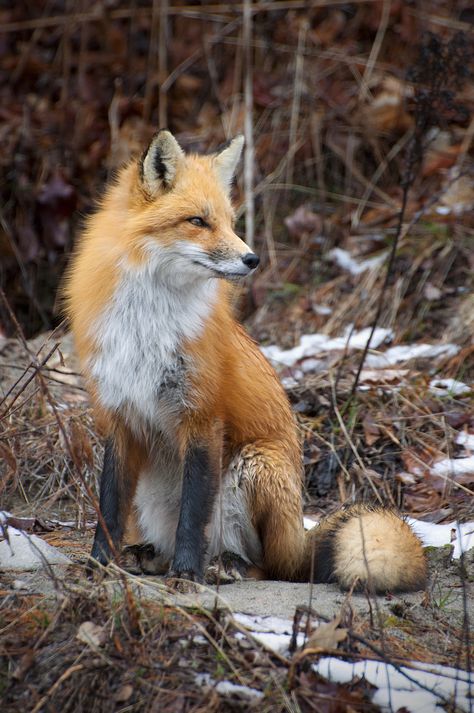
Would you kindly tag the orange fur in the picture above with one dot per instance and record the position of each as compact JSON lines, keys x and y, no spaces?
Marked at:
{"x":237,"y":406}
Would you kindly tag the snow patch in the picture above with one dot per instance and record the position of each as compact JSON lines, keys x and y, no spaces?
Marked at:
{"x":403,"y":687}
{"x":227,"y":688}
{"x":451,"y":467}
{"x":449,"y":387}
{"x":466,"y":440}
{"x":322,"y":309}
{"x":345,"y":261}
{"x":313,"y":344}
{"x":402,"y":353}
{"x":308,"y":356}
{"x":271,"y":631}
{"x":458,"y":534}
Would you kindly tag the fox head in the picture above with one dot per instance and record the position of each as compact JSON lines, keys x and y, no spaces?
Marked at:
{"x":183,"y":222}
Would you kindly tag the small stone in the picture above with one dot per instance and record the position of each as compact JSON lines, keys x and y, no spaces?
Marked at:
{"x":123,"y":693}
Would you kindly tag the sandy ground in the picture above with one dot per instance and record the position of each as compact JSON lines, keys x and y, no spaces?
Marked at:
{"x":425,"y":623}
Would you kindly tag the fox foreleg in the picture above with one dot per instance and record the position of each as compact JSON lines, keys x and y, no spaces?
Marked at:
{"x":113,"y":503}
{"x":197,"y":500}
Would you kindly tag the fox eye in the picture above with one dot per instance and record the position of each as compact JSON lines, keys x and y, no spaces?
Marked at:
{"x":198,"y":222}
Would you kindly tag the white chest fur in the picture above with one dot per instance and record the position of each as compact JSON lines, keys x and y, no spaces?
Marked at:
{"x":140,"y":368}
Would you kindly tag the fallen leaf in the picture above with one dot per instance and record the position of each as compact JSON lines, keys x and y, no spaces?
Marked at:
{"x":417,"y":461}
{"x":327,"y":636}
{"x":91,"y":634}
{"x":26,"y":662}
{"x":386,"y":112}
{"x":29,"y":524}
{"x":440,"y":154}
{"x":382,"y":376}
{"x":123,"y":693}
{"x":459,"y":195}
{"x":372,"y":432}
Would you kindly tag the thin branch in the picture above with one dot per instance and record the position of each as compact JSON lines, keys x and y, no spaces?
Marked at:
{"x":248,"y":126}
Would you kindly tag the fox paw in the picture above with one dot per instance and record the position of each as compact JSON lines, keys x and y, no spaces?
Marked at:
{"x":184,"y":582}
{"x":143,"y":559}
{"x":226,"y":568}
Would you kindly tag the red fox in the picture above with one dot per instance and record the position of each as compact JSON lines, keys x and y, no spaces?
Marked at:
{"x":202,"y":453}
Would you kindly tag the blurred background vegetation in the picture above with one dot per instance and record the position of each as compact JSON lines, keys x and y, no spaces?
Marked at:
{"x":327,"y":91}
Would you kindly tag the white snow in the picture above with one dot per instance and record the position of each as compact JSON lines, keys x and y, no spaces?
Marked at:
{"x":227,"y":688}
{"x":396,"y":687}
{"x":271,"y":631}
{"x":451,"y":467}
{"x":395,"y":690}
{"x":313,"y":344}
{"x":458,"y":534}
{"x":345,"y":260}
{"x":322,"y":309}
{"x":22,"y":551}
{"x":405,"y":352}
{"x":307,"y":356}
{"x":466,"y":440}
{"x":449,"y":387}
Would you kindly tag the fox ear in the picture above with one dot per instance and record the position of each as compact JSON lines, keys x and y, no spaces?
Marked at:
{"x":226,"y":160}
{"x":160,"y":161}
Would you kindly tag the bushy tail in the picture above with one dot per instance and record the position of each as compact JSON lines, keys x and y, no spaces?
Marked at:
{"x":371,"y":546}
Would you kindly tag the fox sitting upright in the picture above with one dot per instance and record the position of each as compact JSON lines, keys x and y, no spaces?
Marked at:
{"x":201,"y":444}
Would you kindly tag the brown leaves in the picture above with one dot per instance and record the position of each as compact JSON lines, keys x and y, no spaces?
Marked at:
{"x":91,"y":634}
{"x":372,"y":432}
{"x":326,"y":637}
{"x":386,"y":112}
{"x":123,"y":694}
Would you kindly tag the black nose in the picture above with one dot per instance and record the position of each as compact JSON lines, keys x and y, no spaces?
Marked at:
{"x":251,"y":260}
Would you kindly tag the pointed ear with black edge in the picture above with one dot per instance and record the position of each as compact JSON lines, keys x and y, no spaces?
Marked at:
{"x":160,"y":162}
{"x":226,"y":161}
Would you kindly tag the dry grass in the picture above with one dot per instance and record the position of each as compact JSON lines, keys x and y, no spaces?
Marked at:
{"x":144,"y":655}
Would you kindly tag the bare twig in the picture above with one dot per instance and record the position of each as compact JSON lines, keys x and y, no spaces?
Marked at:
{"x":248,"y":130}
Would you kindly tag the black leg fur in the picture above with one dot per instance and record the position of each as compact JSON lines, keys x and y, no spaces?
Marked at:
{"x":196,"y":507}
{"x":112,"y":501}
